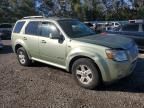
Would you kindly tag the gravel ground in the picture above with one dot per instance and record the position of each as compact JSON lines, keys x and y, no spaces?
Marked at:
{"x":44,"y":86}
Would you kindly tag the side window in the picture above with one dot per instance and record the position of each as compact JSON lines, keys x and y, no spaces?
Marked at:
{"x":131,"y":27}
{"x":18,"y":26}
{"x":143,"y":27}
{"x":32,"y":28}
{"x":48,"y":28}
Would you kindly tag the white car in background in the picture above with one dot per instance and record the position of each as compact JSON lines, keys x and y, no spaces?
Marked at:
{"x":113,"y":25}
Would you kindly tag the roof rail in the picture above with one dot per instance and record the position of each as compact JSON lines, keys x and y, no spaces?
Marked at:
{"x":30,"y":17}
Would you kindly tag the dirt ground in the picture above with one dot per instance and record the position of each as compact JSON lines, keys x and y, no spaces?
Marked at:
{"x":44,"y":86}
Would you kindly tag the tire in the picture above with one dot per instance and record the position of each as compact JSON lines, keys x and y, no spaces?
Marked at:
{"x":23,"y":57}
{"x":86,"y":73}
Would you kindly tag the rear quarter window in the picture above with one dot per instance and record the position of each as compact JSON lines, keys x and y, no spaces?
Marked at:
{"x":18,"y":27}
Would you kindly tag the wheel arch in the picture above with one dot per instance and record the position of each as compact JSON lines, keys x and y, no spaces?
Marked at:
{"x":18,"y":45}
{"x":82,"y":56}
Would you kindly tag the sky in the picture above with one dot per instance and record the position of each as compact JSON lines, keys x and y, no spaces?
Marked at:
{"x":129,"y":3}
{"x":38,"y":3}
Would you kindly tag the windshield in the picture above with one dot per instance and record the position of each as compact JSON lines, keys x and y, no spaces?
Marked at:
{"x":75,"y":28}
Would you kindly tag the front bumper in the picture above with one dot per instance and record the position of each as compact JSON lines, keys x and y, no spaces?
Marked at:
{"x":112,"y":70}
{"x":119,"y":70}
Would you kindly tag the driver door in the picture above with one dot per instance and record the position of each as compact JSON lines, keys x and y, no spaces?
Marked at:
{"x":51,"y":50}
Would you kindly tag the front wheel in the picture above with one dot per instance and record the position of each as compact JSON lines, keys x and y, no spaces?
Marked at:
{"x":86,"y":73}
{"x":23,"y":57}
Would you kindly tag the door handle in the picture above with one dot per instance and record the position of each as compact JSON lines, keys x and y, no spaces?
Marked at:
{"x":43,"y":41}
{"x":24,"y":38}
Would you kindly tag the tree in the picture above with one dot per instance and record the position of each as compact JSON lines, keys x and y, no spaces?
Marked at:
{"x":140,"y":12}
{"x":76,"y":7}
{"x":11,"y":10}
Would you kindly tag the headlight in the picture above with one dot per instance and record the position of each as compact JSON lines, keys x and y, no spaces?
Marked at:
{"x":117,"y":55}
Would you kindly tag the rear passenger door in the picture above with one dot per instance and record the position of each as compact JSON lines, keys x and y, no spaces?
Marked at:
{"x":31,"y":38}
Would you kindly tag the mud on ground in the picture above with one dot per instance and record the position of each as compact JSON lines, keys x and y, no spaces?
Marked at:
{"x":44,"y":86}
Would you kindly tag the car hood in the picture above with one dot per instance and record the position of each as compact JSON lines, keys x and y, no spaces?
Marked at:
{"x":108,"y":40}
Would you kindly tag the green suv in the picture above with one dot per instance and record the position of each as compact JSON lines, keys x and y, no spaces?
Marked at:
{"x":69,"y":44}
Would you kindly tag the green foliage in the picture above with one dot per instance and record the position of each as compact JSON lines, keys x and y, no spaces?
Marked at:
{"x":11,"y":10}
{"x":125,"y":14}
{"x":83,"y":13}
{"x":49,"y":3}
{"x":140,"y":13}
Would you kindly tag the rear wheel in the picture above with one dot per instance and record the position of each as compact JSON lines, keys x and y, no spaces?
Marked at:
{"x":86,"y":73}
{"x":23,"y":57}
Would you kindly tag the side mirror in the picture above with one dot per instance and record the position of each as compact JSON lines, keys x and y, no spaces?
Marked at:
{"x":54,"y":36}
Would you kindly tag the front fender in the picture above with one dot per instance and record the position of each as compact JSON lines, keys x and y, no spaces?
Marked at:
{"x":99,"y":60}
